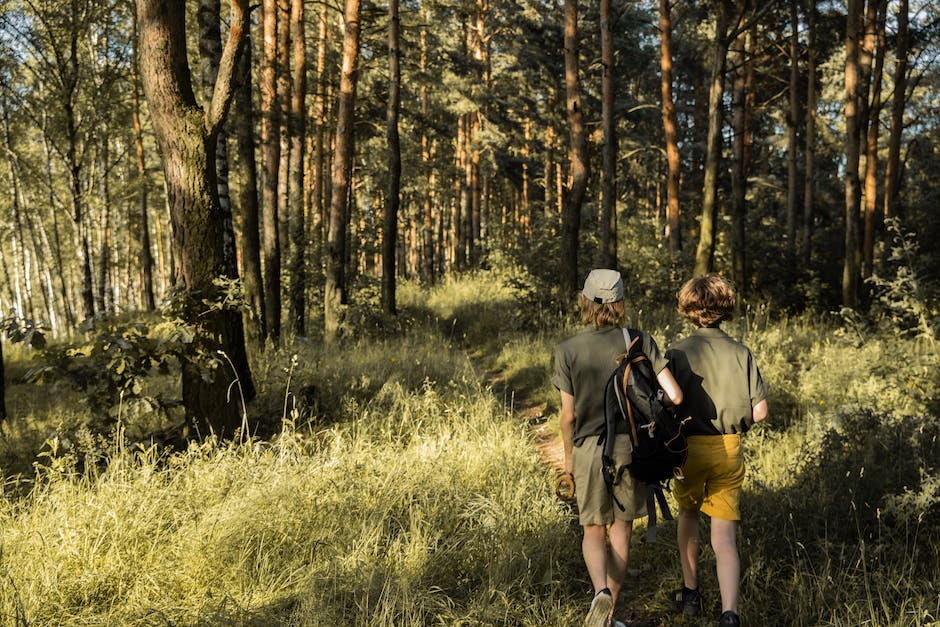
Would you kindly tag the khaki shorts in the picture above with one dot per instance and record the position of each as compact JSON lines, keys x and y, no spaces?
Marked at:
{"x":714,"y":473}
{"x":595,"y":507}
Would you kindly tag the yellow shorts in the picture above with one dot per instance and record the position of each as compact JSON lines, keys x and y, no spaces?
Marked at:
{"x":714,"y":473}
{"x":595,"y":507}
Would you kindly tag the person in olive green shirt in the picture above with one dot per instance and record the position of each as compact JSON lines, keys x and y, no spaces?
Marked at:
{"x":583,"y":364}
{"x":724,"y":394}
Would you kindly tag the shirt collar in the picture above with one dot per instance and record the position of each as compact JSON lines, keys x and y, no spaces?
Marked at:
{"x":709,"y":332}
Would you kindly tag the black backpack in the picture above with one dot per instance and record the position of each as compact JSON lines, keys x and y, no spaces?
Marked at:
{"x":634,"y":400}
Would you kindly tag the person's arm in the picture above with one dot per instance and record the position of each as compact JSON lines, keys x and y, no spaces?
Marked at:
{"x":668,"y":383}
{"x":567,"y":429}
{"x":759,"y":411}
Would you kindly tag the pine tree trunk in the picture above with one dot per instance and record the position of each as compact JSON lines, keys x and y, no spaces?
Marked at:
{"x":298,"y":231}
{"x":579,"y":167}
{"x":871,"y":147}
{"x":284,"y":208}
{"x":335,"y":296}
{"x":246,"y":174}
{"x":270,"y":168}
{"x":148,"y":299}
{"x":793,"y":114}
{"x":739,"y":167}
{"x":850,"y":269}
{"x":392,"y":197}
{"x":187,"y":139}
{"x":705,"y":253}
{"x":809,"y":194}
{"x":609,"y":186}
{"x":674,"y":165}
{"x":893,"y":165}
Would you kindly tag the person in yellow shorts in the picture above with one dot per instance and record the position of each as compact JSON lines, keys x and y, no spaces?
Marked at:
{"x":724,"y":395}
{"x":583,"y":364}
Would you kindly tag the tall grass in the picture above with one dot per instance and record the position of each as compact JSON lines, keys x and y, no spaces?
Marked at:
{"x":400,"y":490}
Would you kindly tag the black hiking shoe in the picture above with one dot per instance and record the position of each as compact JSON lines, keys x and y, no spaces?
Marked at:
{"x":686,"y":601}
{"x":729,"y":619}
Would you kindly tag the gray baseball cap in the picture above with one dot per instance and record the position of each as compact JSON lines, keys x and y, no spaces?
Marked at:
{"x":603,"y":286}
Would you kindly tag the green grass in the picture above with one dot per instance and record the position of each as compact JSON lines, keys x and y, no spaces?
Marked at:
{"x":402,"y":490}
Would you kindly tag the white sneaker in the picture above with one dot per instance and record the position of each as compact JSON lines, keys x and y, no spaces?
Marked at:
{"x":617,"y":623}
{"x":599,"y":613}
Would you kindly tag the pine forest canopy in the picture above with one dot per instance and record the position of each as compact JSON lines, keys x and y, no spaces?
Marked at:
{"x":338,"y":145}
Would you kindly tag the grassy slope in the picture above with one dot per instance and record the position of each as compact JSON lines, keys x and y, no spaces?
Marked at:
{"x":404,"y":492}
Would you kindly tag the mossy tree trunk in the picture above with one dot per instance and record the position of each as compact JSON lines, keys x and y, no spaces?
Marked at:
{"x":186,"y":136}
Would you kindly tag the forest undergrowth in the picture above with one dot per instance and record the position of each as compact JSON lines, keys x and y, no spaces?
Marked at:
{"x":405,"y":487}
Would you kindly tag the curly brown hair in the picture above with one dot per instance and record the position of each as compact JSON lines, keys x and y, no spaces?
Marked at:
{"x":600,"y":314}
{"x":706,"y":301}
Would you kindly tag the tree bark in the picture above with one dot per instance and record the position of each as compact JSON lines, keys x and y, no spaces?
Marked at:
{"x":705,"y":253}
{"x":898,"y":101}
{"x":335,"y":296}
{"x":871,"y":146}
{"x":392,"y":197}
{"x":739,"y":169}
{"x":609,"y":157}
{"x":809,"y":188}
{"x":143,"y":227}
{"x":186,"y":135}
{"x":850,"y":269}
{"x":270,"y":167}
{"x":579,"y":167}
{"x":673,"y":164}
{"x":283,"y":82}
{"x":298,"y":130}
{"x":793,"y":114}
{"x":243,"y":127}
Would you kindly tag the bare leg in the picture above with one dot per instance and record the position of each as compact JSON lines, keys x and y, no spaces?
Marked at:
{"x":724,"y":543}
{"x":620,"y":533}
{"x":594,"y":549}
{"x":688,"y":547}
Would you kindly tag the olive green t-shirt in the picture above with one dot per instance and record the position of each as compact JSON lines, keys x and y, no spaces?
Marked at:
{"x":719,"y":379}
{"x":584,"y":363}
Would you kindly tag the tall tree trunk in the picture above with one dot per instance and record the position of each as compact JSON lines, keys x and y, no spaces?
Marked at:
{"x":740,"y":165}
{"x":579,"y":167}
{"x":283,"y":105}
{"x":335,"y":296}
{"x":850,"y":269}
{"x":270,"y":168}
{"x":705,"y":253}
{"x":809,"y":188}
{"x":318,"y":185}
{"x":105,"y":294}
{"x":673,"y":227}
{"x":392,"y":197}
{"x":898,"y":100}
{"x":143,"y":224}
{"x":186,"y":136}
{"x":793,"y":114}
{"x":871,"y":146}
{"x":609,"y":157}
{"x":298,"y":128}
{"x":243,"y":127}
{"x":426,"y":167}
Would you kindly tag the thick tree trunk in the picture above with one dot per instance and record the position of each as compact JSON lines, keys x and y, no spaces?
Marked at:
{"x":283,"y":82}
{"x":246,"y":173}
{"x":705,"y":253}
{"x":270,"y":167}
{"x":892,"y":167}
{"x":809,"y":194}
{"x":850,"y":266}
{"x":335,"y":297}
{"x":673,"y":177}
{"x":579,"y":167}
{"x":429,"y":222}
{"x":392,"y":197}
{"x":609,"y":157}
{"x":297,"y":311}
{"x":187,"y":139}
{"x":145,"y":262}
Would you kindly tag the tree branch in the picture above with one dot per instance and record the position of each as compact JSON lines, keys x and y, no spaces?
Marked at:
{"x":222,"y":94}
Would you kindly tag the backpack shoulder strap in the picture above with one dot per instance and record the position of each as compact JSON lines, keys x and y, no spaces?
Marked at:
{"x":634,"y":345}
